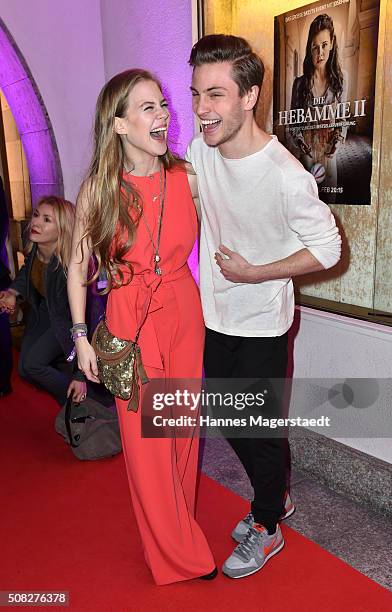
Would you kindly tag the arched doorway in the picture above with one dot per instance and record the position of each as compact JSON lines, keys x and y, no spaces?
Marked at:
{"x":31,"y":118}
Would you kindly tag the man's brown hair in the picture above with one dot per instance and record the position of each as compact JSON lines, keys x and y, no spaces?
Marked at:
{"x":247,"y":67}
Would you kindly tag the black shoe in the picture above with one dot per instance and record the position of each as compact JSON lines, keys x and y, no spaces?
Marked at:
{"x":211,"y":575}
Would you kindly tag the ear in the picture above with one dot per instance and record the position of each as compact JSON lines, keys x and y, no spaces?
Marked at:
{"x":119,"y":126}
{"x":250,"y":98}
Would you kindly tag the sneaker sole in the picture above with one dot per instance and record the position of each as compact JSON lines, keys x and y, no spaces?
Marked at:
{"x":274,"y":552}
{"x":288,"y":513}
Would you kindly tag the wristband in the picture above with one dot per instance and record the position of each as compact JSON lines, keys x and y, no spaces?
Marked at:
{"x":79,"y":334}
{"x":72,"y":354}
{"x":78,"y":327}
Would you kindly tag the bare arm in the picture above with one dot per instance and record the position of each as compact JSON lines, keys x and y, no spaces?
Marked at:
{"x":237,"y":270}
{"x":77,"y":276}
{"x":78,"y":266}
{"x":192,"y":180}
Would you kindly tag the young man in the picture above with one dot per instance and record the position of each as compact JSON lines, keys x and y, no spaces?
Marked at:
{"x":262,"y":223}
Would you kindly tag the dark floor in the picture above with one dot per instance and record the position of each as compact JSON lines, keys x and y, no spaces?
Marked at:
{"x":359,"y":536}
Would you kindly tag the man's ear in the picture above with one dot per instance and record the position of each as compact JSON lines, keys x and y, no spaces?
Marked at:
{"x":250,"y":98}
{"x":119,"y":126}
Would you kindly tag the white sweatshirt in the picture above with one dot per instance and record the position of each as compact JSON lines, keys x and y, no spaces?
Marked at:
{"x":265,"y":207}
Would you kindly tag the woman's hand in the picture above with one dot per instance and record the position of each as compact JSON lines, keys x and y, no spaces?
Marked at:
{"x":78,"y":389}
{"x":87,"y":359}
{"x":305,"y":148}
{"x":336,"y":140}
{"x":7,"y":301}
{"x":302,"y":145}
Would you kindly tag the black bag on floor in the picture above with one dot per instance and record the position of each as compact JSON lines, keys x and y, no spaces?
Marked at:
{"x":90,"y":428}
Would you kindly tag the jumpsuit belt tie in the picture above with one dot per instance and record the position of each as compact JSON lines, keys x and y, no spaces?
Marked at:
{"x":148,"y":300}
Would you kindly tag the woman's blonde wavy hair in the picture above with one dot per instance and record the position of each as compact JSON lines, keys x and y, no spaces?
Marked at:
{"x":64,"y":214}
{"x":115,"y":207}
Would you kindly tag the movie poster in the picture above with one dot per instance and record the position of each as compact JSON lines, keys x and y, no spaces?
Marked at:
{"x":325,"y":59}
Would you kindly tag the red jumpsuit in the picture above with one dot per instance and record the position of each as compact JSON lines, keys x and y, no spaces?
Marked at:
{"x":162,"y":472}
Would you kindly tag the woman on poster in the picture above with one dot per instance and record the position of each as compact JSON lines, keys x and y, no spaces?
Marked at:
{"x":322,"y":83}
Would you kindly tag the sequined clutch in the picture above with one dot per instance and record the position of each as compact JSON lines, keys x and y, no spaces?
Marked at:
{"x":119,"y":365}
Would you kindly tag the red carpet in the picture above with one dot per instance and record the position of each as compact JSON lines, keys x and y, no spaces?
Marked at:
{"x":68,"y":525}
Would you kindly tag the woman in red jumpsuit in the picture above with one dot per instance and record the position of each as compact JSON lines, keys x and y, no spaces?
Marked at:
{"x":135,"y":212}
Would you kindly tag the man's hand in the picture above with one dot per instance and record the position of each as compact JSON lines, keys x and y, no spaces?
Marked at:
{"x":234,"y":267}
{"x":237,"y":270}
{"x":79,"y":390}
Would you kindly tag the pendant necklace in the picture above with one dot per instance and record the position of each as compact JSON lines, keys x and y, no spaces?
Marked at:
{"x":162,"y":195}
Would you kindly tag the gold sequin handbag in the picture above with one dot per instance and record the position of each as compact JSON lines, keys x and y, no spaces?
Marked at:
{"x":119,"y":364}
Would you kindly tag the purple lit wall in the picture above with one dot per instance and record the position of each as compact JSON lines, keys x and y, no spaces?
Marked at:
{"x":157,"y":36}
{"x":33,"y":125}
{"x":62,"y":45}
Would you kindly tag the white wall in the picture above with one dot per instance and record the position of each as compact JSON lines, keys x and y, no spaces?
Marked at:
{"x":61,"y":42}
{"x":156,"y":36}
{"x":330,"y":346}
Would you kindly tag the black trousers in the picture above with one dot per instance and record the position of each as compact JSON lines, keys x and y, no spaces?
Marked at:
{"x":40,"y":348}
{"x":264,"y":459}
{"x":37,"y":362}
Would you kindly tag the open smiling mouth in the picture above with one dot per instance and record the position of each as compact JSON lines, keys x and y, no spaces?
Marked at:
{"x":159,"y":134}
{"x":210,"y":125}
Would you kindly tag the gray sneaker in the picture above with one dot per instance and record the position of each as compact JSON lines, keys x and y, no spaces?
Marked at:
{"x":242,"y":528}
{"x":253,"y":552}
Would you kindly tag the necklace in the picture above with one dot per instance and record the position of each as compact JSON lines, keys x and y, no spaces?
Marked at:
{"x":162,"y":195}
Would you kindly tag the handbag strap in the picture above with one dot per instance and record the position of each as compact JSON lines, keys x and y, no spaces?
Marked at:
{"x":131,"y":344}
{"x":67,"y":419}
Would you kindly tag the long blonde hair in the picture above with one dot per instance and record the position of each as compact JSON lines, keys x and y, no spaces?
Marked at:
{"x":113,"y":211}
{"x":64,"y":214}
